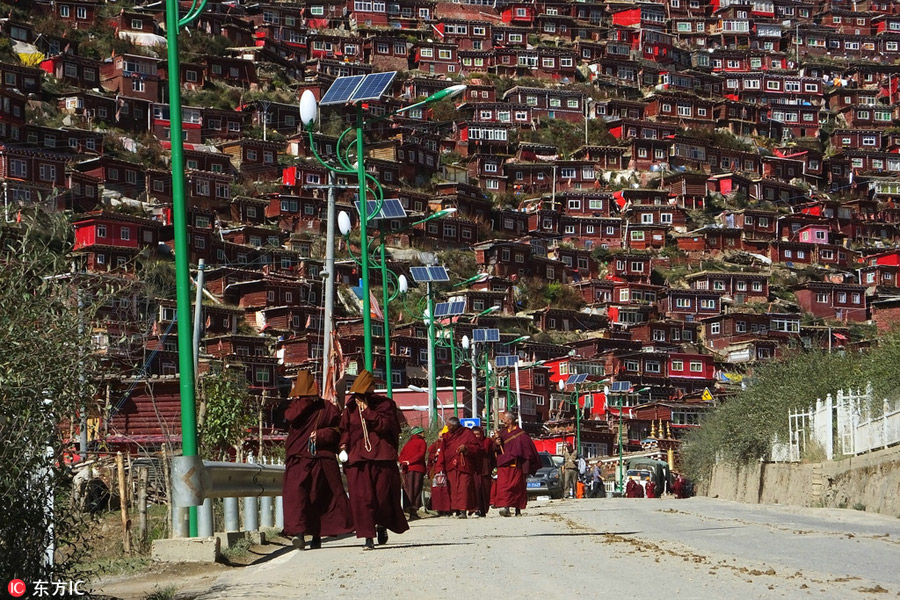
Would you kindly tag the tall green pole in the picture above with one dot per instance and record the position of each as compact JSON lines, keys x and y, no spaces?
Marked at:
{"x":453,"y":369}
{"x":363,"y":238}
{"x":182,"y":251}
{"x":386,"y":298}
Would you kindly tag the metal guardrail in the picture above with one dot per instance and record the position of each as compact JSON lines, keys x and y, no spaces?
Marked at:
{"x":197,"y":482}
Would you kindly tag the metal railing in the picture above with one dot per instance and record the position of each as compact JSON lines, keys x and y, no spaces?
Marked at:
{"x":200,"y":483}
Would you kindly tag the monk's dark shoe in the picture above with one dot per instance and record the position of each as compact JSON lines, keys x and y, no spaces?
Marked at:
{"x":504,"y":512}
{"x":461,"y":516}
{"x":413,"y":516}
{"x":370,"y":544}
{"x":382,"y":534}
{"x":518,"y":512}
{"x":298,"y":542}
{"x":316,"y":542}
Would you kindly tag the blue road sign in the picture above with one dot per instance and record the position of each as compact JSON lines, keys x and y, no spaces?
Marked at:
{"x":470,"y":423}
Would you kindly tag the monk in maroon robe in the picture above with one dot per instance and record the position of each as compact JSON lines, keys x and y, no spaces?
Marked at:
{"x":516,"y":459}
{"x":440,"y":494}
{"x":314,"y":500}
{"x":370,"y":427}
{"x":484,"y":466}
{"x":633,"y":489}
{"x":459,"y":448}
{"x":412,"y":470}
{"x":650,"y":489}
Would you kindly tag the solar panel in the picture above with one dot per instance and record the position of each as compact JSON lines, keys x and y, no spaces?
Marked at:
{"x":506,"y":360}
{"x":620,"y":386}
{"x":486,"y":335}
{"x":449,"y":309}
{"x":576,"y":379}
{"x":374,"y":86}
{"x":438,"y":274}
{"x":341,"y":90}
{"x":391,"y":208}
{"x":419,"y":274}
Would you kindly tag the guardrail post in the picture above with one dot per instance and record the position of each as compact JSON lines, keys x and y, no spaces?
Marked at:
{"x":265,"y":508}
{"x":251,"y":514}
{"x":232,"y":515}
{"x":251,"y":508}
{"x":205,"y":519}
{"x":279,"y":513}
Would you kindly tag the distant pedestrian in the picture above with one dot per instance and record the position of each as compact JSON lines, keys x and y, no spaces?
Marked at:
{"x":516,"y":459}
{"x":458,"y":447}
{"x":678,"y":486}
{"x":569,"y":471}
{"x":484,"y":466}
{"x":412,"y":470}
{"x":633,"y":489}
{"x":597,"y":488}
{"x":314,"y":500}
{"x":440,"y":494}
{"x":650,"y":489}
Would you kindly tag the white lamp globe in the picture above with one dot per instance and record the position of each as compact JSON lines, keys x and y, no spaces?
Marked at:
{"x":561,"y":385}
{"x":465,"y":342}
{"x":309,"y":108}
{"x":344,"y":223}
{"x":403,"y":284}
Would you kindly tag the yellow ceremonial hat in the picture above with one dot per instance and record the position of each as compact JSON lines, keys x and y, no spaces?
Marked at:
{"x":363,"y":384}
{"x":304,"y":385}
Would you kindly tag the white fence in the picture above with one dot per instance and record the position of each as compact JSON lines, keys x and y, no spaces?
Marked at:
{"x":850,"y":423}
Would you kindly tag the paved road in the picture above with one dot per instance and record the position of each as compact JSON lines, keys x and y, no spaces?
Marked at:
{"x":698,"y":548}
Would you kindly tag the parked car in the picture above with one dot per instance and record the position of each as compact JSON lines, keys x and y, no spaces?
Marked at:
{"x":547,"y":480}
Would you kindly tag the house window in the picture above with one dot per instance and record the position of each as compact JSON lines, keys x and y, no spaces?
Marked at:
{"x":101,"y":231}
{"x":822,"y":298}
{"x":696,"y":366}
{"x":125,"y":233}
{"x":715,"y":328}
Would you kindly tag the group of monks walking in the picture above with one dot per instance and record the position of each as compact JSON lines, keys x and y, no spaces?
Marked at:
{"x":365,"y":438}
{"x":461,"y":464}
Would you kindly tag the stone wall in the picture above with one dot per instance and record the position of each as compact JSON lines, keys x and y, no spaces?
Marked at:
{"x":871,"y":480}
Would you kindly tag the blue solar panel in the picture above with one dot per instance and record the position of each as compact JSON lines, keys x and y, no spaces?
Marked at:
{"x":506,"y":360}
{"x":419,"y":274}
{"x":341,"y":90}
{"x":620,"y":386}
{"x":425,"y":274}
{"x":390,"y":209}
{"x":374,"y":86}
{"x":438,"y":274}
{"x":449,"y":309}
{"x":486,"y":335}
{"x":576,"y":379}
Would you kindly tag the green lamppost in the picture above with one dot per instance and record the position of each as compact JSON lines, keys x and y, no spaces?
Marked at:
{"x":308,"y":113}
{"x":182,"y":247}
{"x":388,"y":279}
{"x":621,"y":459}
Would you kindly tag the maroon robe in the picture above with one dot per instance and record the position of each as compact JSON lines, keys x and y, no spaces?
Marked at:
{"x":459,"y":450}
{"x":633,"y":489}
{"x":440,"y":494}
{"x":516,"y":458}
{"x":371,"y":438}
{"x":314,"y":499}
{"x":483,"y":480}
{"x":412,"y":469}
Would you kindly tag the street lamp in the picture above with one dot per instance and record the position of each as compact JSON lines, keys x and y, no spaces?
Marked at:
{"x":308,"y":114}
{"x":401,"y":285}
{"x":187,"y":393}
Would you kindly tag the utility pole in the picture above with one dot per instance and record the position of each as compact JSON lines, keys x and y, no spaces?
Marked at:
{"x":518,"y":392}
{"x":474,"y":383}
{"x":432,"y":367}
{"x":329,"y":281}
{"x":198,"y":313}
{"x":83,"y":408}
{"x":265,"y":107}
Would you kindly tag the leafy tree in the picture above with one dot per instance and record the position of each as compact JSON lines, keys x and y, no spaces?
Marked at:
{"x":224,"y":413}
{"x":44,"y":346}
